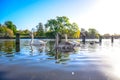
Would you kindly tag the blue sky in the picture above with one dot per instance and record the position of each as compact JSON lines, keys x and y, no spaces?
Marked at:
{"x":26,"y":14}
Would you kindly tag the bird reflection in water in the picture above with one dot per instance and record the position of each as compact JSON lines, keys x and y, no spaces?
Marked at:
{"x":41,"y":49}
{"x":61,"y":57}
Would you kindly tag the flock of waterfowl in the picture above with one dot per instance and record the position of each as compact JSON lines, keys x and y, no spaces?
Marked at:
{"x":65,"y":46}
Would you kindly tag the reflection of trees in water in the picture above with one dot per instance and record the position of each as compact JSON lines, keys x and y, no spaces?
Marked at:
{"x":37,"y":49}
{"x":0,"y":46}
{"x":60,"y":57}
{"x":50,"y":45}
{"x":50,"y":49}
{"x":8,"y":47}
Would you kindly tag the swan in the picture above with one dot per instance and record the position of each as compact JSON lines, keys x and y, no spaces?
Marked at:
{"x":63,"y":46}
{"x":40,"y":48}
{"x":36,"y":43}
{"x":76,"y":43}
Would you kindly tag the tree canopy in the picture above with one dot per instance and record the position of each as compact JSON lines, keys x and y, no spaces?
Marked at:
{"x":5,"y":32}
{"x":59,"y":25}
{"x":90,"y":33}
{"x":40,"y":30}
{"x":10,"y":25}
{"x":62,"y":26}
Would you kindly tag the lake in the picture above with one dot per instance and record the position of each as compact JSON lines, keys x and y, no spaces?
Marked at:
{"x":87,"y":62}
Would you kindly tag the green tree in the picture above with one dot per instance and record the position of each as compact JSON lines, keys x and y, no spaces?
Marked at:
{"x":40,"y":30}
{"x":83,"y":32}
{"x":51,"y":28}
{"x":50,"y":34}
{"x":8,"y":32}
{"x":24,"y":33}
{"x":107,"y":35}
{"x":75,"y":31}
{"x":2,"y":31}
{"x":93,"y":33}
{"x":11,"y":26}
{"x":5,"y":32}
{"x":9,"y":47}
{"x":62,"y":26}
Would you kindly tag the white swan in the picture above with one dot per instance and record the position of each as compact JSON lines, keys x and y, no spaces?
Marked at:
{"x":36,"y":42}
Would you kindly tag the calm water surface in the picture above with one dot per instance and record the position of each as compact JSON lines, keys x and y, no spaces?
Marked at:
{"x":103,"y":57}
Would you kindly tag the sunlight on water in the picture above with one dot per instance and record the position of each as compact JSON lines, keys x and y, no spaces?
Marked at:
{"x":115,"y":61}
{"x":103,"y":58}
{"x":112,"y":52}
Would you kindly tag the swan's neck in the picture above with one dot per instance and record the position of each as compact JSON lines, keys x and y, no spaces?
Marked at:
{"x":66,"y":39}
{"x":32,"y":38}
{"x":57,"y":40}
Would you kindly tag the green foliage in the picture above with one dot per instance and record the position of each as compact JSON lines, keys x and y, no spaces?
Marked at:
{"x":50,"y":34}
{"x":40,"y":30}
{"x":90,"y":33}
{"x":74,"y":31}
{"x":93,"y":33}
{"x":9,"y":32}
{"x":8,"y":47}
{"x":2,"y":31}
{"x":107,"y":35}
{"x":52,"y":26}
{"x":5,"y":32}
{"x":62,"y":26}
{"x":24,"y":32}
{"x":11,"y":26}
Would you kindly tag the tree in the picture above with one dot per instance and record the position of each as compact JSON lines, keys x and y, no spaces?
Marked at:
{"x":107,"y":35}
{"x":2,"y":31}
{"x":93,"y":33}
{"x":40,"y":30}
{"x":8,"y":32}
{"x":5,"y":32}
{"x":83,"y":32}
{"x":11,"y":26}
{"x":90,"y":33}
{"x":52,"y":26}
{"x":62,"y":25}
{"x":24,"y":33}
{"x":75,"y":30}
